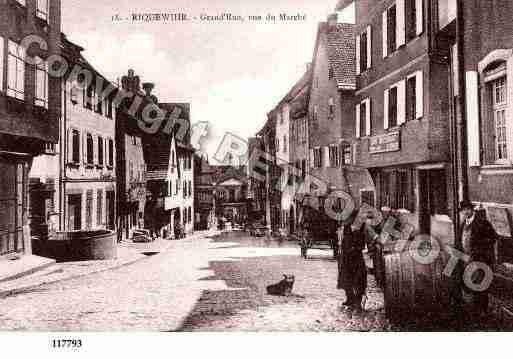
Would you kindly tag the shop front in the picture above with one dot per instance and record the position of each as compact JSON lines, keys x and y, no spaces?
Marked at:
{"x":14,"y":231}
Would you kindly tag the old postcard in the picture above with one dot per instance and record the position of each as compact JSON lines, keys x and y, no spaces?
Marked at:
{"x":255,"y":166}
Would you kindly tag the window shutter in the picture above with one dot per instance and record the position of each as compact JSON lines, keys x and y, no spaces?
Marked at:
{"x":369,"y":47}
{"x":358,"y":54}
{"x":358,"y":119}
{"x":312,"y":164}
{"x":1,"y":63}
{"x":84,"y":147}
{"x":385,"y":109}
{"x":385,"y":35}
{"x":326,"y":156}
{"x":368,"y":117}
{"x":419,"y":95}
{"x":473,"y":118}
{"x":419,"y":8}
{"x":401,"y":102}
{"x":69,"y":151}
{"x":401,"y":23}
{"x":95,"y":150}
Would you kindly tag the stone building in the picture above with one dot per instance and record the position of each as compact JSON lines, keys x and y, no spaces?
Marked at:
{"x":170,"y":163}
{"x":204,"y":211}
{"x":488,"y":68}
{"x":30,"y":106}
{"x":83,"y":167}
{"x":331,"y":110}
{"x":256,"y":179}
{"x":291,"y":173}
{"x":130,"y":162}
{"x":403,"y":106}
{"x":230,"y":193}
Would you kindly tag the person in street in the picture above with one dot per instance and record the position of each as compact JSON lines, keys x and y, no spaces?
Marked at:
{"x":478,"y":239}
{"x":352,"y":276}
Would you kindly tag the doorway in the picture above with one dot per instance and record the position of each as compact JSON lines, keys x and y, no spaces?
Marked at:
{"x":74,"y":212}
{"x":433,"y":197}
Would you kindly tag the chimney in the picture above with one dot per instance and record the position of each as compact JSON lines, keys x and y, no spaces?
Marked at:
{"x":148,"y":88}
{"x":332,"y":19}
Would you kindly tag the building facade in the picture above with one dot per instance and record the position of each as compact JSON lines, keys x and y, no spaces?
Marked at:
{"x":403,"y":107}
{"x":204,"y":211}
{"x":30,"y":108}
{"x":331,"y":109}
{"x":130,"y":162}
{"x":488,"y":57}
{"x":84,"y":161}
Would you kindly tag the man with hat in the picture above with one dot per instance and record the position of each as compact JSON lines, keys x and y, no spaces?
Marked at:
{"x":352,"y":276}
{"x":478,"y":239}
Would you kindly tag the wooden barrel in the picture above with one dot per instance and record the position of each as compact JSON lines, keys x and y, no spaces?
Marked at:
{"x":414,"y":290}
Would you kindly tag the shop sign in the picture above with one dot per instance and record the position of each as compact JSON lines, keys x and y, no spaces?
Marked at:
{"x":389,"y":142}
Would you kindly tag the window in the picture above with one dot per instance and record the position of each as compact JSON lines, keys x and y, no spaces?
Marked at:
{"x":404,"y":192}
{"x":284,"y":144}
{"x":391,"y":29}
{"x":99,"y":208}
{"x":331,"y":108}
{"x":334,"y":156}
{"x":41,"y":78}
{"x":303,"y":168}
{"x":111,"y":153}
{"x":411,"y":98}
{"x":364,"y":51}
{"x":108,"y":107}
{"x":346,"y":154}
{"x":98,"y":105}
{"x":414,"y":18}
{"x":100,"y":151}
{"x":88,"y":97}
{"x":317,"y":152}
{"x":16,"y":71}
{"x":42,"y":10}
{"x":499,"y":105}
{"x":90,"y":149}
{"x":89,"y":209}
{"x":75,"y":145}
{"x":392,"y":107}
{"x":315,"y":113}
{"x":278,"y":144}
{"x":363,"y":118}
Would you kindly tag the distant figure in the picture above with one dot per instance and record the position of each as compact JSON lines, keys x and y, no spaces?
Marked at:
{"x":478,"y":239}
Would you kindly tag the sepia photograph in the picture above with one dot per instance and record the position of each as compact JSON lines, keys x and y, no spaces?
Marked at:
{"x":255,"y":166}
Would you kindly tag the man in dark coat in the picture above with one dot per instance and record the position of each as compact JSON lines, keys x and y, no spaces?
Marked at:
{"x":352,"y":270}
{"x":478,"y":239}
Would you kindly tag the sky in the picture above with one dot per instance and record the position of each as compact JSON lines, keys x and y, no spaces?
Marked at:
{"x":233,"y":74}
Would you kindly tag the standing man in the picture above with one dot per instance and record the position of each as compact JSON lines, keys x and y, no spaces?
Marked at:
{"x":352,"y":270}
{"x":478,"y":239}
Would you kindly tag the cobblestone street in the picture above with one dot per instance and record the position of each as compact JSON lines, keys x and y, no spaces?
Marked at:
{"x":197,"y":285}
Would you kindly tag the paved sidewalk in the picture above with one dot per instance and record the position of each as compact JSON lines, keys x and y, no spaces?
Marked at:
{"x":128,"y":253}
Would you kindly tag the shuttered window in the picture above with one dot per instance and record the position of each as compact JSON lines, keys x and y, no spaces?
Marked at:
{"x":41,"y":83}
{"x":42,"y":9}
{"x":391,"y":30}
{"x":16,"y":71}
{"x":99,"y":208}
{"x":364,"y":48}
{"x":392,"y":107}
{"x":101,"y":155}
{"x":89,"y":209}
{"x":75,"y":146}
{"x":499,"y":106}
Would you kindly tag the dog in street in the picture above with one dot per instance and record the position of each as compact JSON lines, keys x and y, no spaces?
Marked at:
{"x":283,"y":287}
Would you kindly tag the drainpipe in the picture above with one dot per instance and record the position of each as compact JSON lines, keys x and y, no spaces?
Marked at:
{"x":462,"y":118}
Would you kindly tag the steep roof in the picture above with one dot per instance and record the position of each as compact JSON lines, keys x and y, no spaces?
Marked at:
{"x":341,"y":50}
